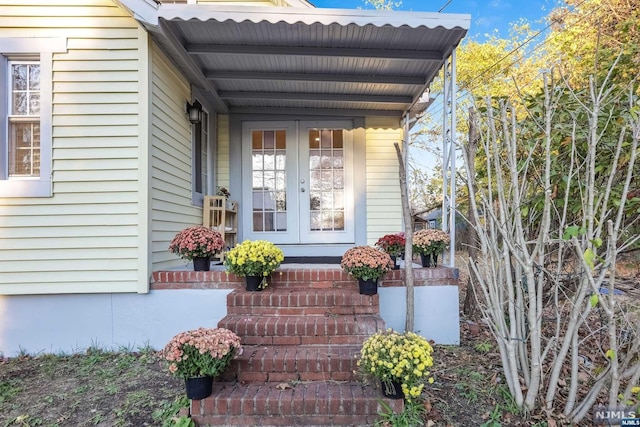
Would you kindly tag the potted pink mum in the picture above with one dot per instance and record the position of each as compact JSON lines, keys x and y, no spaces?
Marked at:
{"x":200,"y":355}
{"x":197,"y":243}
{"x":429,"y":243}
{"x":367,"y":264}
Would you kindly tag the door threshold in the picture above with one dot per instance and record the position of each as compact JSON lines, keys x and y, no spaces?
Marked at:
{"x":312,"y":260}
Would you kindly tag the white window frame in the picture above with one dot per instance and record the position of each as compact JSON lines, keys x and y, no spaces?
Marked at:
{"x":42,"y":48}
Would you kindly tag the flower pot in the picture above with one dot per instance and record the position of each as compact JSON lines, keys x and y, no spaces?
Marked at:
{"x":198,"y":388}
{"x":396,"y":261}
{"x":392,"y":389}
{"x":426,"y":260}
{"x":368,"y":287}
{"x":201,"y":263}
{"x":253,"y":283}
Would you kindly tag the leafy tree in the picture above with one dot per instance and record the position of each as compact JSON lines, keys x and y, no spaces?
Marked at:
{"x":383,"y":4}
{"x":589,"y":35}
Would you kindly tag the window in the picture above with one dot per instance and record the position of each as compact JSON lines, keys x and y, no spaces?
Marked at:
{"x":200,"y":151}
{"x":25,"y":115}
{"x":24,"y":119}
{"x":202,"y":158}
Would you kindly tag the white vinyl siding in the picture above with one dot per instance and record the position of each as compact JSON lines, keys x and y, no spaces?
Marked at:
{"x":171,"y":161}
{"x":86,"y":237}
{"x":384,"y":204}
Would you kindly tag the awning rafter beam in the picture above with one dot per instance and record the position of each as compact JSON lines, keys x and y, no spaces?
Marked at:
{"x":314,"y":77}
{"x":303,"y":96}
{"x":395,"y":54}
{"x":326,"y":112}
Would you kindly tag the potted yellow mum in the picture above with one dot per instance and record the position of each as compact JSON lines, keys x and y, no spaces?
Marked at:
{"x":255,"y":260}
{"x":400,"y":361}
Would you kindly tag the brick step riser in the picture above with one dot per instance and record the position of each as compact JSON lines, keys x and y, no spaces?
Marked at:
{"x":319,"y":403}
{"x":316,"y":285}
{"x":260,"y":377}
{"x":301,"y":299}
{"x":307,"y":340}
{"x":364,"y":420}
{"x":314,"y":363}
{"x":303,"y":311}
{"x":301,"y":326}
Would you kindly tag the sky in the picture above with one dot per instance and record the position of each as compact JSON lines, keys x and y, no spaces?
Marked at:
{"x":486,"y":16}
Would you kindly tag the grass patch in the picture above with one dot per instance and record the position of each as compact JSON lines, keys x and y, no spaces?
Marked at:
{"x":98,"y":387}
{"x":9,"y":389}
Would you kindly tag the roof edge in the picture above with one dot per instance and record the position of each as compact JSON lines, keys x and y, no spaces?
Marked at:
{"x":294,"y":15}
{"x":300,"y":3}
{"x":143,"y":11}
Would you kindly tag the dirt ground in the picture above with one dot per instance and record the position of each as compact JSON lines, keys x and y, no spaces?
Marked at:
{"x":132,"y":388}
{"x":128,"y":389}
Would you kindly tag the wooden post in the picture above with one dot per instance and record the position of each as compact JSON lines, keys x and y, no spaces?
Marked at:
{"x":408,"y":248}
{"x":469,"y":306}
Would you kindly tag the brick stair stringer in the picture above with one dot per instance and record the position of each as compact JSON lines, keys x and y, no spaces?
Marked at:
{"x":298,"y":367}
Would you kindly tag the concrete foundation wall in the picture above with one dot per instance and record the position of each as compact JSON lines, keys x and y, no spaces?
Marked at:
{"x":436,"y":313}
{"x":70,"y":323}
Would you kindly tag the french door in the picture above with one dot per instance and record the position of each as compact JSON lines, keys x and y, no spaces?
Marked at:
{"x":298,"y":182}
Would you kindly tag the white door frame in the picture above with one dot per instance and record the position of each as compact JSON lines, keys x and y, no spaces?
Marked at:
{"x":297,"y":169}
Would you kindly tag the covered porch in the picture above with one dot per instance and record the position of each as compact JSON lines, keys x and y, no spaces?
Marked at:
{"x":307,"y":104}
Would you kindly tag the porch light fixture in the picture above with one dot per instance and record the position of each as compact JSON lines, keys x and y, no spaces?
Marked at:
{"x":194,"y":111}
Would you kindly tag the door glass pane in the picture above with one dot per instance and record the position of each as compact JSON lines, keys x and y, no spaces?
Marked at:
{"x":269,"y":139}
{"x":269,"y":180}
{"x":314,"y":138}
{"x":281,"y":139}
{"x":258,"y":221}
{"x":326,"y":180}
{"x":281,"y":183}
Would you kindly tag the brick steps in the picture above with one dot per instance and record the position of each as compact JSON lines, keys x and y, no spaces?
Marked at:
{"x":302,"y":301}
{"x":313,"y":403}
{"x":295,"y":363}
{"x":295,"y":330}
{"x":300,"y":339}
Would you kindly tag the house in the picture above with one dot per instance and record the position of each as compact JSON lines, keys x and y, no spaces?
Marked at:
{"x":297,"y":112}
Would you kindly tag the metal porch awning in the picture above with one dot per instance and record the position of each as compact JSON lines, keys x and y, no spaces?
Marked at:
{"x":277,"y":60}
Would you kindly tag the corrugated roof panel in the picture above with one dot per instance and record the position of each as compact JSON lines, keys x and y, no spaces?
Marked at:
{"x":303,"y":50}
{"x":316,"y":35}
{"x":300,"y":64}
{"x":325,"y":17}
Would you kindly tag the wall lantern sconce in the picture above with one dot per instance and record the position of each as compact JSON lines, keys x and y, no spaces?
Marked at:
{"x":194,"y":111}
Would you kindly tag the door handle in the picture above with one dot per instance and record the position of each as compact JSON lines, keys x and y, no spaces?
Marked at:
{"x":302,"y":190}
